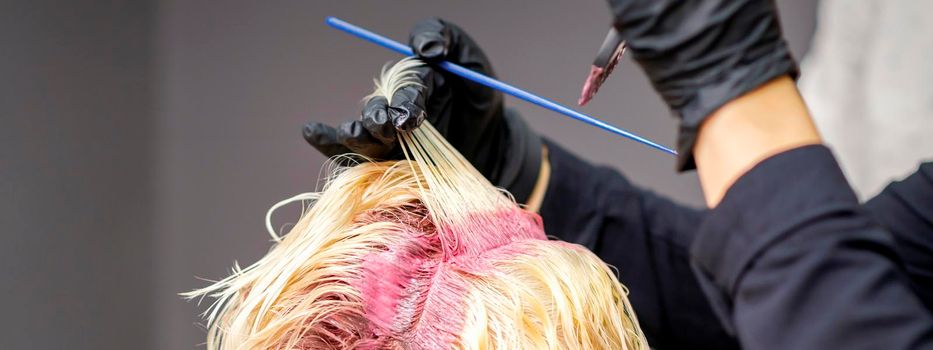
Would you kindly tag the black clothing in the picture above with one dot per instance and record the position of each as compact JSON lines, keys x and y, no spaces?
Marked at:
{"x":770,"y":290}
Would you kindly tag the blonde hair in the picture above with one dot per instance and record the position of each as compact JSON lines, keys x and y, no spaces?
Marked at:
{"x":422,"y":253}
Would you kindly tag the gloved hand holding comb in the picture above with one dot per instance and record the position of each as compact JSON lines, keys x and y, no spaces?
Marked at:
{"x":471,"y":116}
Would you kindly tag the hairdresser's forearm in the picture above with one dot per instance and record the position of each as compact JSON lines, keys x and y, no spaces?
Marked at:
{"x":759,"y":124}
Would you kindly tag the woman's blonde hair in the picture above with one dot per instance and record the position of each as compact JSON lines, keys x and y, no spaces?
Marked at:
{"x":422,"y":253}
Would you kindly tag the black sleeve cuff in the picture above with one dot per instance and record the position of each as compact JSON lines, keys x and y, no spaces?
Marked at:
{"x":766,"y":204}
{"x":905,"y":209}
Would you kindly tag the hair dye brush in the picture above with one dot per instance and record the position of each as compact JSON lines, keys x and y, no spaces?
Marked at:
{"x":608,"y":56}
{"x":419,"y":254}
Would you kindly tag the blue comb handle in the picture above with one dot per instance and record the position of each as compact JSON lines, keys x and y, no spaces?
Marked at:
{"x":492,"y":83}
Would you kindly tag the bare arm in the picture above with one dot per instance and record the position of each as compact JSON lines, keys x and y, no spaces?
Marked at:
{"x":766,"y":121}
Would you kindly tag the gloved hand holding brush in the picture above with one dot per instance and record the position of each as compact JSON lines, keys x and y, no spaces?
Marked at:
{"x":471,"y":116}
{"x":700,"y":55}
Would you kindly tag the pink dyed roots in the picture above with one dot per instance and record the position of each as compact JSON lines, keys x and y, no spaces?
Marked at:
{"x":413,"y":294}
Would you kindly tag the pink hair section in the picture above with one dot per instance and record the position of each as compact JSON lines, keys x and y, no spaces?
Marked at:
{"x":414,"y":294}
{"x":479,"y":232}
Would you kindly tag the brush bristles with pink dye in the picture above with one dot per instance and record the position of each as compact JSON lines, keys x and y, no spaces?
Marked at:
{"x":419,"y":254}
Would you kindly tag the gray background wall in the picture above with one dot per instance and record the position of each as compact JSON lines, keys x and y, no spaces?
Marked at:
{"x":76,"y":175}
{"x":143,"y":141}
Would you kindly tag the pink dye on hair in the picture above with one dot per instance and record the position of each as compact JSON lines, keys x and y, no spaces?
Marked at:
{"x":413,"y":294}
{"x":479,"y":232}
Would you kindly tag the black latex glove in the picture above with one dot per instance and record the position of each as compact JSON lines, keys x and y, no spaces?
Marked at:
{"x":471,"y":116}
{"x":700,"y":54}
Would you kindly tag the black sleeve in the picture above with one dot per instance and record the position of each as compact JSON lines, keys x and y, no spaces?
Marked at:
{"x":646,"y":237}
{"x":905,"y":209}
{"x":790,"y":260}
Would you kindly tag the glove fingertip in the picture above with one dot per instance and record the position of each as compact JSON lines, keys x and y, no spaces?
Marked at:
{"x":405,"y":124}
{"x":313,"y":132}
{"x":430,"y":39}
{"x":429,"y":46}
{"x":406,"y":116}
{"x":323,"y":137}
{"x":375,"y":110}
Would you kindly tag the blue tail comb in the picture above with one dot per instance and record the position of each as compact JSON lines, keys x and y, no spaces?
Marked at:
{"x":492,"y":83}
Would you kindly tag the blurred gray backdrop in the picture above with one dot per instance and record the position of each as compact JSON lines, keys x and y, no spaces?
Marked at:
{"x":143,"y":141}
